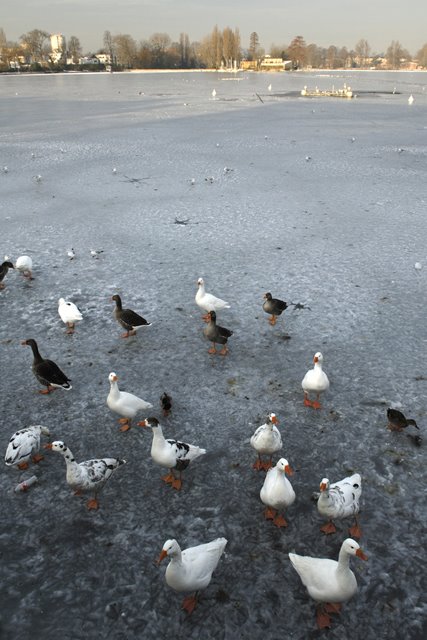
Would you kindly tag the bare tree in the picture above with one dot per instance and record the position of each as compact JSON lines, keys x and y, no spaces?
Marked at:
{"x":396,"y":54}
{"x":159,"y":44}
{"x":184,"y":50}
{"x":125,"y":49}
{"x":34,"y":43}
{"x":109,"y":46}
{"x":75,"y":49}
{"x":363,"y":51}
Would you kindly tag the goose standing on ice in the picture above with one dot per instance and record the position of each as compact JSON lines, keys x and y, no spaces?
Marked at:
{"x":207,"y":302}
{"x":46,"y":371}
{"x":266,"y":440}
{"x":90,"y":475}
{"x":277,"y":492}
{"x":340,"y":500}
{"x":25,"y":444}
{"x":24,"y":265}
{"x":171,"y":454}
{"x":329,"y":582}
{"x":124,"y":404}
{"x":315,"y":381}
{"x":191,"y":569}
{"x":128,"y":319}
{"x":69,"y":314}
{"x":274,"y":307}
{"x":217,"y":335}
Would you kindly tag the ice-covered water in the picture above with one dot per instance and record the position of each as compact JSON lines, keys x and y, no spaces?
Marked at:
{"x":320,"y":201}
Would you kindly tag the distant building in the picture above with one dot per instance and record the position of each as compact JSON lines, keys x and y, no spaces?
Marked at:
{"x":103,"y":58}
{"x":58,"y":46}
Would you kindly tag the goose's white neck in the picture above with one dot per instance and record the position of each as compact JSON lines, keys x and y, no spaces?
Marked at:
{"x":343,"y":561}
{"x":158,"y":434}
{"x":114,"y":389}
{"x":69,"y":458}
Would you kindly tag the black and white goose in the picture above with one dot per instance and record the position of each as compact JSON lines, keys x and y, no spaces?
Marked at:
{"x":90,"y":475}
{"x":274,"y":307}
{"x":128,"y":319}
{"x":25,"y":444}
{"x":46,"y":371}
{"x":217,"y":335}
{"x":171,"y":454}
{"x":340,"y":500}
{"x":4,"y":268}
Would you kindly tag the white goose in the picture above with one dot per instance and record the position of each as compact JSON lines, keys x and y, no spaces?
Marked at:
{"x":277,"y":492}
{"x":340,"y":500}
{"x":124,"y":404}
{"x":69,"y":314}
{"x":171,"y":454}
{"x":24,"y":265}
{"x":25,"y":444}
{"x":90,"y":475}
{"x":207,"y":302}
{"x":191,"y":569}
{"x":315,"y":381}
{"x":266,"y":440}
{"x":327,"y":581}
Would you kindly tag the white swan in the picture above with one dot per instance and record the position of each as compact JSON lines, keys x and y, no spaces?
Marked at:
{"x":277,"y":492}
{"x":315,"y":381}
{"x":327,"y":581}
{"x":207,"y":302}
{"x":69,"y":314}
{"x":171,"y":454}
{"x":266,"y":440}
{"x":24,"y":265}
{"x":191,"y":569}
{"x":25,"y":444}
{"x":340,"y":500}
{"x":124,"y":404}
{"x":90,"y":475}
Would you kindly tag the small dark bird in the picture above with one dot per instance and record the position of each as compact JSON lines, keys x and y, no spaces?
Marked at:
{"x":166,"y":403}
{"x":274,"y":307}
{"x":4,"y":268}
{"x":217,"y":335}
{"x":47,"y":372}
{"x":397,"y":421}
{"x":129,"y":320}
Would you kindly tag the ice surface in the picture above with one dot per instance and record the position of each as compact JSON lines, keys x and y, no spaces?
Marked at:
{"x":123,"y":159}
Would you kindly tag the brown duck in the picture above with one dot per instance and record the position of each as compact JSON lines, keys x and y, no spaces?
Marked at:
{"x":274,"y":307}
{"x":397,"y":421}
{"x":47,"y":372}
{"x":129,"y":320}
{"x":217,"y":335}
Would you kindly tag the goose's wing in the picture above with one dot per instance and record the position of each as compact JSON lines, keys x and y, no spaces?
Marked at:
{"x":21,"y":445}
{"x":49,"y":370}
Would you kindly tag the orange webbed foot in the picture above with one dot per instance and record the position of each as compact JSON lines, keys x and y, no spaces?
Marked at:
{"x":316,"y":405}
{"x":267,"y":465}
{"x":355,"y":531}
{"x":307,"y":402}
{"x":323,"y":620}
{"x":328,"y":528}
{"x":189,"y":604}
{"x":125,"y":427}
{"x":212,"y":350}
{"x":177,"y":484}
{"x":223,"y":351}
{"x":168,"y":479}
{"x":269,"y":514}
{"x":333,"y":607}
{"x":279,"y":521}
{"x":37,"y":457}
{"x":23,"y":465}
{"x":92,"y":504}
{"x":258,"y":465}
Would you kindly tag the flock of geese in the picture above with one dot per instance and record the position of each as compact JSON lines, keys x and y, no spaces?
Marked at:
{"x":328,"y":582}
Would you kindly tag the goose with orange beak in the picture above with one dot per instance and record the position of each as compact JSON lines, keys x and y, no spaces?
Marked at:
{"x":266,"y":441}
{"x":329,"y":582}
{"x":124,"y":404}
{"x":315,"y":381}
{"x":340,"y":500}
{"x":191,"y":570}
{"x":277,"y":493}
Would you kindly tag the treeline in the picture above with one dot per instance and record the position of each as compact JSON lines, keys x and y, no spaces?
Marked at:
{"x":220,"y":49}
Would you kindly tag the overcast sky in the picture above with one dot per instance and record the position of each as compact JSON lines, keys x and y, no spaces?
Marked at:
{"x":323,"y":22}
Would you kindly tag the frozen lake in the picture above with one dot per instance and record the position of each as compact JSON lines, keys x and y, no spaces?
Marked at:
{"x":320,"y":201}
